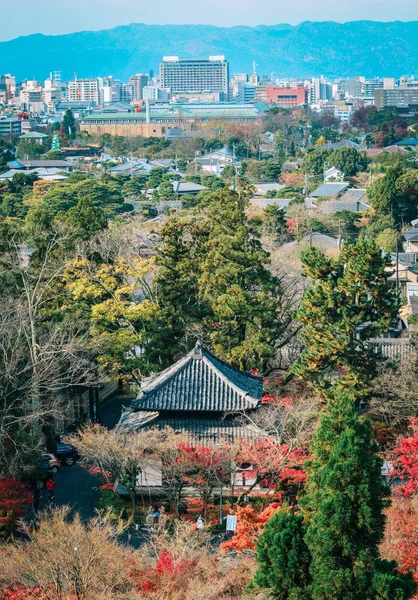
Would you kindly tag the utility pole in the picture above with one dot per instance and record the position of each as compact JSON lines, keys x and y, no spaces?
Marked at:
{"x":397,"y":261}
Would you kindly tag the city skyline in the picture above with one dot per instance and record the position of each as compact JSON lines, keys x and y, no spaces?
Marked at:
{"x":105,"y":14}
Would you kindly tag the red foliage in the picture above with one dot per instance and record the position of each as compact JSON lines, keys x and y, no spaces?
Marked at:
{"x":18,"y":592}
{"x":274,"y":462}
{"x":406,"y":461}
{"x":13,"y":497}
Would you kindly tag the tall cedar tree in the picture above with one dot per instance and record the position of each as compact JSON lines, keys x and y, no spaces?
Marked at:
{"x":343,"y":508}
{"x":350,"y":300}
{"x":213,"y":279}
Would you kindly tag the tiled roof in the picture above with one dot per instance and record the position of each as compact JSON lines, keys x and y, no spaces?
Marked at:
{"x":203,"y":428}
{"x":329,"y":190}
{"x":200,"y":382}
{"x":411,"y":235}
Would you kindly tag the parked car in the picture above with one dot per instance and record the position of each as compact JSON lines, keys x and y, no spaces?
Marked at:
{"x":52,"y":460}
{"x":67,"y":454}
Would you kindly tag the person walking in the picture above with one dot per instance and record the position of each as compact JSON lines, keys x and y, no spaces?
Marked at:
{"x":156,"y":516}
{"x":50,"y":486}
{"x":200,"y":523}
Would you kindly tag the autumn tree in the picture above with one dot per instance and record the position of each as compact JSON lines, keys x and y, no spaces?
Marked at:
{"x":122,"y":453}
{"x":62,"y":558}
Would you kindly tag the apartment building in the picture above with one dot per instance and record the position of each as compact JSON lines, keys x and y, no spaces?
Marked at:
{"x":83,"y":90}
{"x":139,"y":81}
{"x":401,"y":97}
{"x":195,"y":75}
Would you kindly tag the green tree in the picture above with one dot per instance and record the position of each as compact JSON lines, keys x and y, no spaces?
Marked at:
{"x":273,"y":169}
{"x":68,"y":124}
{"x":214,"y":276}
{"x":396,"y":194}
{"x":275,"y":223}
{"x":166,"y":190}
{"x":349,"y":160}
{"x":283,"y":557}
{"x":350,"y":300}
{"x":155,"y":177}
{"x":86,"y":218}
{"x":344,"y":507}
{"x":314,"y":161}
{"x":28,"y":149}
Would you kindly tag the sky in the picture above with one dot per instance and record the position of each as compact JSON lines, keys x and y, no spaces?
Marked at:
{"x":55,"y":17}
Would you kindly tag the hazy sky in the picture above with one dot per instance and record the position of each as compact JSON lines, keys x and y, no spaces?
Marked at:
{"x":56,"y":16}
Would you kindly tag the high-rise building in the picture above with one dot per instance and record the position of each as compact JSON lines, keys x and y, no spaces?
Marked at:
{"x":320,"y":91}
{"x":139,"y":81}
{"x":246,"y":92}
{"x":83,"y":90}
{"x":193,"y":75}
{"x":127,"y":92}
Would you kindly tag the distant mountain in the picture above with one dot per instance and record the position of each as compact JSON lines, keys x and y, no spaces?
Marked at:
{"x":310,"y":49}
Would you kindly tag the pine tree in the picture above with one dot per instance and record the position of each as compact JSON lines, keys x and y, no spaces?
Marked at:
{"x":343,"y":507}
{"x":350,"y":298}
{"x":283,"y":557}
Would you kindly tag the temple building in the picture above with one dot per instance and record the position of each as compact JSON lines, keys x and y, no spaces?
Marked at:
{"x":199,"y":395}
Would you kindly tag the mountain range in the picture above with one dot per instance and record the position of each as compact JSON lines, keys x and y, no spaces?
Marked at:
{"x":309,"y":49}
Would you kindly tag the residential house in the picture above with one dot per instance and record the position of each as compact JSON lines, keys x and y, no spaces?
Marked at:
{"x":333,"y":174}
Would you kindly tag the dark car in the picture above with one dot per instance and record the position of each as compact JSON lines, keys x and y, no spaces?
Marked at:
{"x":67,"y":454}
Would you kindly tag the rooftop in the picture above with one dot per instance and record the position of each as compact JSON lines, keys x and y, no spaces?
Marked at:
{"x":200,"y":382}
{"x":330,"y":190}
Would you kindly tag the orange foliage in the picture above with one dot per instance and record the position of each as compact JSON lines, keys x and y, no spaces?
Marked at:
{"x":250,"y":525}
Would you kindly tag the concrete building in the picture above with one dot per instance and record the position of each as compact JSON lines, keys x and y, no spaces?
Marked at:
{"x":195,"y":75}
{"x":109,"y":90}
{"x":84,"y":90}
{"x":154,"y":93}
{"x":246,"y":92}
{"x":139,"y":81}
{"x":401,"y":97}
{"x":157,"y":119}
{"x":286,"y":97}
{"x":127,"y":92}
{"x":320,"y":90}
{"x":10,"y":127}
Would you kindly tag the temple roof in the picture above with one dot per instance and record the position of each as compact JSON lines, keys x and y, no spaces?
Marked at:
{"x":200,"y":382}
{"x":205,"y":428}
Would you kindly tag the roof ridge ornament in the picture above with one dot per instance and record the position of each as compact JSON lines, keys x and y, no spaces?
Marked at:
{"x":197,"y":351}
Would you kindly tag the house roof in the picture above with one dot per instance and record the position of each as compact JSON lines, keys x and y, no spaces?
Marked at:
{"x":33,"y":164}
{"x":411,"y":235}
{"x":407,"y":142}
{"x":354,"y":194}
{"x":34,"y":135}
{"x":330,"y":189}
{"x":263,"y":188}
{"x":343,"y":144}
{"x":200,"y":382}
{"x":187,"y":187}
